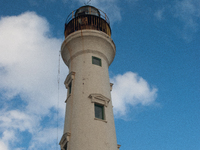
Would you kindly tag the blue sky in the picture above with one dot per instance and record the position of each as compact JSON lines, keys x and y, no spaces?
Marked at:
{"x":155,"y":73}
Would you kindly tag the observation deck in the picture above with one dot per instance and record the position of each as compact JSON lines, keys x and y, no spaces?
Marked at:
{"x":87,"y":17}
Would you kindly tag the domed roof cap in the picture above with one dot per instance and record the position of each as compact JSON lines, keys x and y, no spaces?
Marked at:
{"x":87,"y":10}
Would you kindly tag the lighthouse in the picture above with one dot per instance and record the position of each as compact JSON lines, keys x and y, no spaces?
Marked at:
{"x":88,"y":51}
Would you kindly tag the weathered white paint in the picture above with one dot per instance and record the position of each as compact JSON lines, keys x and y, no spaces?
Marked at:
{"x":90,"y":84}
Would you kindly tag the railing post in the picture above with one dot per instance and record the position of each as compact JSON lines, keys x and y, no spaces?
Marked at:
{"x":72,"y":14}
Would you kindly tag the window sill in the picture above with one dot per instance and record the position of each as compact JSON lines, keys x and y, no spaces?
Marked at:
{"x":100,"y":120}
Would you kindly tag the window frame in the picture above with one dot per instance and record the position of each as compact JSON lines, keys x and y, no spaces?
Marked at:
{"x":96,"y":59}
{"x":97,"y":105}
{"x":70,"y":88}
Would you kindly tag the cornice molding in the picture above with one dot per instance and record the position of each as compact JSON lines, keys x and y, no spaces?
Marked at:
{"x":69,"y":78}
{"x":64,"y":139}
{"x":99,"y":98}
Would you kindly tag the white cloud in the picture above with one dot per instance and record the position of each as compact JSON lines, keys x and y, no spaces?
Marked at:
{"x":3,"y":146}
{"x":45,"y":137}
{"x":14,"y":122}
{"x":28,"y":69}
{"x":29,"y":58}
{"x":130,"y":89}
{"x":188,"y":12}
{"x":17,"y":120}
{"x":8,"y":136}
{"x":159,"y":14}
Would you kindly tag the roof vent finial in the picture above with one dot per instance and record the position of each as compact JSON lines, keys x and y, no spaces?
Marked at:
{"x":88,"y":2}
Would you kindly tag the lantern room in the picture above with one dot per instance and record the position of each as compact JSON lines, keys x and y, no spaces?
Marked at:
{"x":87,"y":17}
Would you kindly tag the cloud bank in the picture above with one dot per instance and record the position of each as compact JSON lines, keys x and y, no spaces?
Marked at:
{"x":28,"y":80}
{"x":29,"y":88}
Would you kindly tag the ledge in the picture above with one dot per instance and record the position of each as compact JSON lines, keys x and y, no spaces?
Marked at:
{"x":100,"y":120}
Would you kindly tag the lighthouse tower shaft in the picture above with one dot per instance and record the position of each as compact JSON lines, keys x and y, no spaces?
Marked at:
{"x":89,"y":121}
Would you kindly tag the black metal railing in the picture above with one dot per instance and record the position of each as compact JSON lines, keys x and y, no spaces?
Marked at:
{"x":97,"y":20}
{"x":101,"y":15}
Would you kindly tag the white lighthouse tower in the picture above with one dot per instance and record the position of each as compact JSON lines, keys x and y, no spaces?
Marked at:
{"x":88,"y":51}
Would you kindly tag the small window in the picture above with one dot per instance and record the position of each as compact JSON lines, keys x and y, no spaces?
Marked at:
{"x":70,"y":87}
{"x":99,"y":111}
{"x":96,"y":61}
